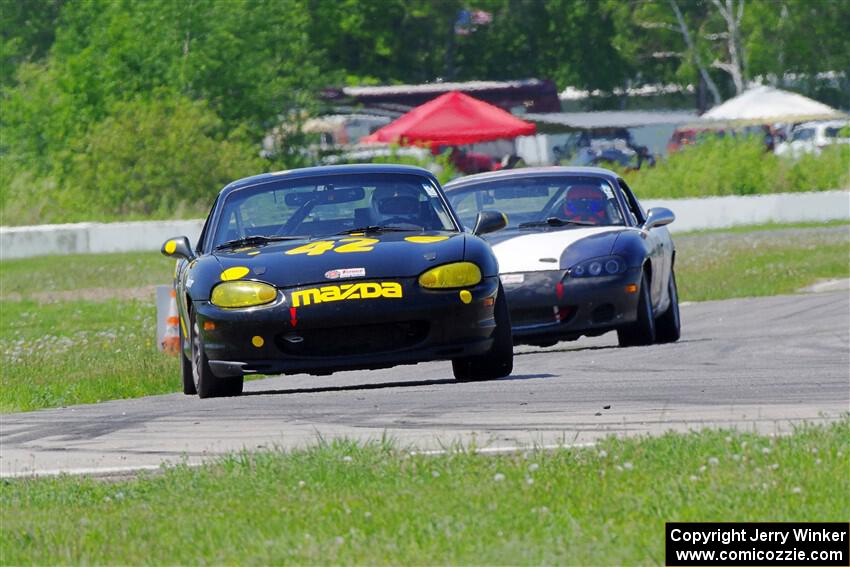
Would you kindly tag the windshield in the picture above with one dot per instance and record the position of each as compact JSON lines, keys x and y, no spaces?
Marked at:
{"x":837,"y":131}
{"x":803,"y":134}
{"x":327,"y":205}
{"x":579,"y":200}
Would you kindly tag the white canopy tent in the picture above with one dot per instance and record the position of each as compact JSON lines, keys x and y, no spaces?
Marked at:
{"x":762,"y":105}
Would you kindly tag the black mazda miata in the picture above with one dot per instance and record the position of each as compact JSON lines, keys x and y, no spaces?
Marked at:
{"x":336,"y":268}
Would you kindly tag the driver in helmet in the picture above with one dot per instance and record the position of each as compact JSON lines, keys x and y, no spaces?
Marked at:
{"x":586,"y":204}
{"x":394,"y":204}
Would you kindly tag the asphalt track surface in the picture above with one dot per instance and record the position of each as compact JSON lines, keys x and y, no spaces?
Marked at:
{"x":755,"y":364}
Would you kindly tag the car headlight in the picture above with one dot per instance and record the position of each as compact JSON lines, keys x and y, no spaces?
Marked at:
{"x":459,"y":274}
{"x":242,"y":294}
{"x":605,"y":266}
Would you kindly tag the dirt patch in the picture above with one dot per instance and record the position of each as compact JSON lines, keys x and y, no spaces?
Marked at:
{"x":96,"y":294}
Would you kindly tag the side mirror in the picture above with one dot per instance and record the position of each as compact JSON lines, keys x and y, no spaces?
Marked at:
{"x":489,"y":221}
{"x":658,"y":216}
{"x":178,"y":247}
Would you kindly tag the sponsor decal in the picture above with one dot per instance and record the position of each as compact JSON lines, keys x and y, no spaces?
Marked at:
{"x":343,"y":273}
{"x":512,"y":278}
{"x":367,"y":290}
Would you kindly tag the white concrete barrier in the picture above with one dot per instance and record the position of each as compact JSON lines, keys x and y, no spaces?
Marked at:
{"x":92,"y":238}
{"x":691,"y":214}
{"x":735,"y":210}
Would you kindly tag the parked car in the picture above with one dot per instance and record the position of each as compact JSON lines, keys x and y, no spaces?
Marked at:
{"x":812,"y":137}
{"x":579,"y":255}
{"x":337,"y":268}
{"x":689,"y":135}
{"x":599,"y":146}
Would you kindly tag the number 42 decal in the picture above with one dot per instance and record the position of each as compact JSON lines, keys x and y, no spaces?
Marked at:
{"x":321,"y":246}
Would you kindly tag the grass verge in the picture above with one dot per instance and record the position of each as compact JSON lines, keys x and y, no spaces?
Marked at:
{"x":376,"y":504}
{"x":44,"y":274}
{"x":72,"y":352}
{"x":723,"y":265}
{"x":763,"y":227}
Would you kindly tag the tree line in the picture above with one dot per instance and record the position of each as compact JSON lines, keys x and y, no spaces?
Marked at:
{"x":144,"y":107}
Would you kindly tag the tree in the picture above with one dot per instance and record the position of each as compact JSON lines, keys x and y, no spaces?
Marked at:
{"x":739,"y":38}
{"x":250,"y":59}
{"x":568,"y":41}
{"x":155,"y":157}
{"x":383,"y":41}
{"x":27,"y":30}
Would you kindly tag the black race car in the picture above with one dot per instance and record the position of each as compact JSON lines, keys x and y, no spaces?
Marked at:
{"x":579,"y":256}
{"x":337,"y":268}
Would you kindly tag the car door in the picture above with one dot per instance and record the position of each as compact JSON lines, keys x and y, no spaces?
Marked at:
{"x":659,"y":248}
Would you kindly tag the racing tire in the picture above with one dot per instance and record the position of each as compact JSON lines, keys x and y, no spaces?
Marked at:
{"x":668,"y":327}
{"x":642,"y":331}
{"x":498,"y":362}
{"x":207,"y":384}
{"x":186,"y":367}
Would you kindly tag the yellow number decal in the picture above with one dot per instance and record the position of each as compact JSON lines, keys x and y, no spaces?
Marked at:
{"x":357,"y":245}
{"x":313,"y":249}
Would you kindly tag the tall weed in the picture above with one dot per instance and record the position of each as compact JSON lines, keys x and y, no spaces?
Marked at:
{"x":734,"y":166}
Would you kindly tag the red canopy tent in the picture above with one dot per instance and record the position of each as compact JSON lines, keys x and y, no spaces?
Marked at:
{"x":452,"y":119}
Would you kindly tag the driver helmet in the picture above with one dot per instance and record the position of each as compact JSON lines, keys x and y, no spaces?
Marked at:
{"x":394,"y":201}
{"x":586,"y":203}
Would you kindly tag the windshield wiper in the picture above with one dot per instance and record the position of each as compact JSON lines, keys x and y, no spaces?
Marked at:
{"x":555,"y":221}
{"x":379,"y":228}
{"x":254,"y":240}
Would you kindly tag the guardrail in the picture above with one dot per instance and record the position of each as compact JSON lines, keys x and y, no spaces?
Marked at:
{"x":691,"y":214}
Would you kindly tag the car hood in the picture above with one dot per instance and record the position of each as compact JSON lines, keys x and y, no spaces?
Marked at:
{"x":302,"y":262}
{"x":524,"y":251}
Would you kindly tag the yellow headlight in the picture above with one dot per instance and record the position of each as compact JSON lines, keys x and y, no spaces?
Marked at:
{"x":460,"y":274}
{"x":242,"y":294}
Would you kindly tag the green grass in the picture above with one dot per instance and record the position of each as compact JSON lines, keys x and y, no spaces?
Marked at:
{"x":77,"y":352}
{"x":376,"y":504}
{"x":73,"y":352}
{"x":83,"y":271}
{"x":762,"y":227}
{"x":739,"y":166}
{"x":761,"y":262}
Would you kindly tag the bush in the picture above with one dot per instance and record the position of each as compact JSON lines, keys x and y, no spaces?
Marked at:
{"x":439,"y":165}
{"x":735,"y":166}
{"x":158,"y":159}
{"x":25,"y":198}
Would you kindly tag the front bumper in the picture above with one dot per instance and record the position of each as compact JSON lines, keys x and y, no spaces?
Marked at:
{"x":542,"y":311}
{"x":320,"y":337}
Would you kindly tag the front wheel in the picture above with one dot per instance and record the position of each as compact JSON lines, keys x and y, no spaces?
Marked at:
{"x":498,"y":362}
{"x":207,"y":384}
{"x":642,"y":331}
{"x":668,"y":327}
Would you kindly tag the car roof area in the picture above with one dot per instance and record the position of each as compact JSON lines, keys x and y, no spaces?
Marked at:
{"x":319,"y":171}
{"x":554,"y":171}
